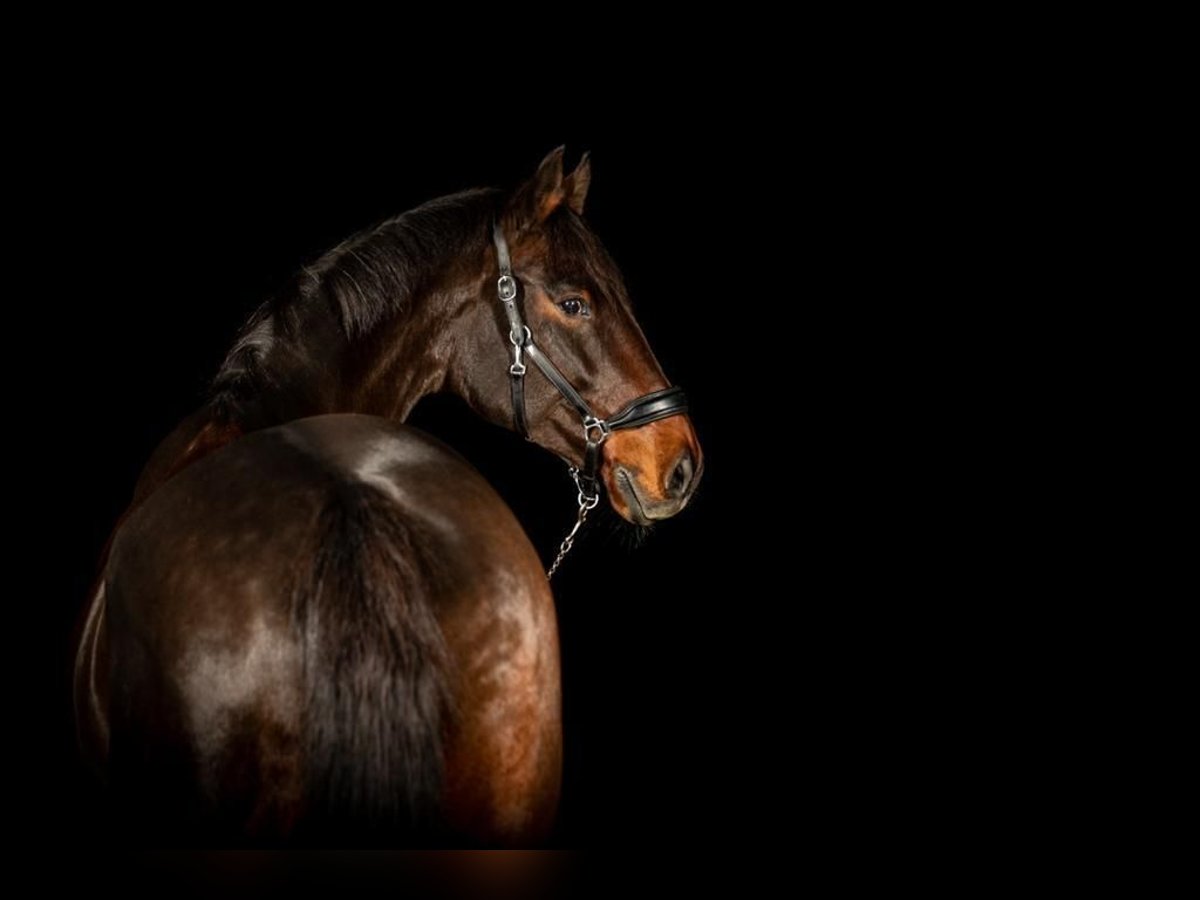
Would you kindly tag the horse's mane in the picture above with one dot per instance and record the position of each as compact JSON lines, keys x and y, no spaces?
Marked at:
{"x":362,"y":281}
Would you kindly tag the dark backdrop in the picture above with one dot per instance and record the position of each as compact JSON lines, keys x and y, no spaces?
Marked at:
{"x":776,"y":647}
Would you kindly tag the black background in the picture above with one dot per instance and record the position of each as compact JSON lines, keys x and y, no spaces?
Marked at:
{"x":761,"y":650}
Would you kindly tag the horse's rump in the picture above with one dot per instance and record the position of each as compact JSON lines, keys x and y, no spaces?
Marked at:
{"x":278,"y":664}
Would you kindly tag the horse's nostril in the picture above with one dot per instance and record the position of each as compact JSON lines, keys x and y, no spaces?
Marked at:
{"x":680,"y":478}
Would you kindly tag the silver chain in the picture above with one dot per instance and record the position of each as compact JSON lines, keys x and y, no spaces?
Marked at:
{"x":586,"y":505}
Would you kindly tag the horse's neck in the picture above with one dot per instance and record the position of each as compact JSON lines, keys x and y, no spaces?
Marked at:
{"x":312,"y":368}
{"x":389,"y":386}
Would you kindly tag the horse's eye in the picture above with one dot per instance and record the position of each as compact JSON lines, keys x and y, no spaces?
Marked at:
{"x":574,"y":306}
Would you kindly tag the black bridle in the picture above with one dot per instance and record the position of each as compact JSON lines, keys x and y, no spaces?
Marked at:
{"x":639,"y":411}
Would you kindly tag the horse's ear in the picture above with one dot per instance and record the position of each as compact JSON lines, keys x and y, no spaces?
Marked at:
{"x":575,"y":186}
{"x":540,"y":195}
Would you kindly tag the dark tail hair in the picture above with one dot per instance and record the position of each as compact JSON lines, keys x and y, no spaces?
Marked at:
{"x":375,"y":670}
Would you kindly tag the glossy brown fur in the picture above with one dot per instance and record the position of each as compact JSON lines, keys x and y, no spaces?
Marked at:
{"x":209,"y":701}
{"x":191,"y":693}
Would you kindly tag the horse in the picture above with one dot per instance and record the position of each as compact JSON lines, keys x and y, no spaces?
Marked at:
{"x":316,"y":622}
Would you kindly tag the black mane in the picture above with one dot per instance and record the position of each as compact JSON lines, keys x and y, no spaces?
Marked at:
{"x":365,"y":279}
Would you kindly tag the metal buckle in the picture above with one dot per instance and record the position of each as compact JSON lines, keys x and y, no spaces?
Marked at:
{"x":585,"y":500}
{"x":506,"y":287}
{"x":518,"y":365}
{"x":590,"y":424}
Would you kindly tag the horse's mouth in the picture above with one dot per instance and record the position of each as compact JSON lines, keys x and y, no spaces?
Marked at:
{"x":633,"y":502}
{"x":641,"y":510}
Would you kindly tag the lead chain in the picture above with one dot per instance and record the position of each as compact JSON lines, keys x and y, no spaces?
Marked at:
{"x":586,"y":505}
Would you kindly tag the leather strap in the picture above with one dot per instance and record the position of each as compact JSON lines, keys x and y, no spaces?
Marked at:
{"x":588,"y":477}
{"x":518,"y":404}
{"x":649,"y":408}
{"x":518,"y":334}
{"x":503,"y":259}
{"x":556,"y":378}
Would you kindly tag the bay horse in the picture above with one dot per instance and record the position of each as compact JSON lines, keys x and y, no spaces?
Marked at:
{"x":316,"y":622}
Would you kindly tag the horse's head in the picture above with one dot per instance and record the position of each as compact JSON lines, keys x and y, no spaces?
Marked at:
{"x":573,"y":300}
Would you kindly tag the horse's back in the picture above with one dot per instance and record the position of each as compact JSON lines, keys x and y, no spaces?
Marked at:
{"x":334,"y":621}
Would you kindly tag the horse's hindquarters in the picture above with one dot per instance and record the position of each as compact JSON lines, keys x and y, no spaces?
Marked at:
{"x":333,"y":628}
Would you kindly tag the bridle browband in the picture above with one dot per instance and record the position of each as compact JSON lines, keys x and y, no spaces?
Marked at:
{"x":640,"y":411}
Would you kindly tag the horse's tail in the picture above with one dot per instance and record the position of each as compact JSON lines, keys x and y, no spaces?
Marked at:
{"x":375,"y":671}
